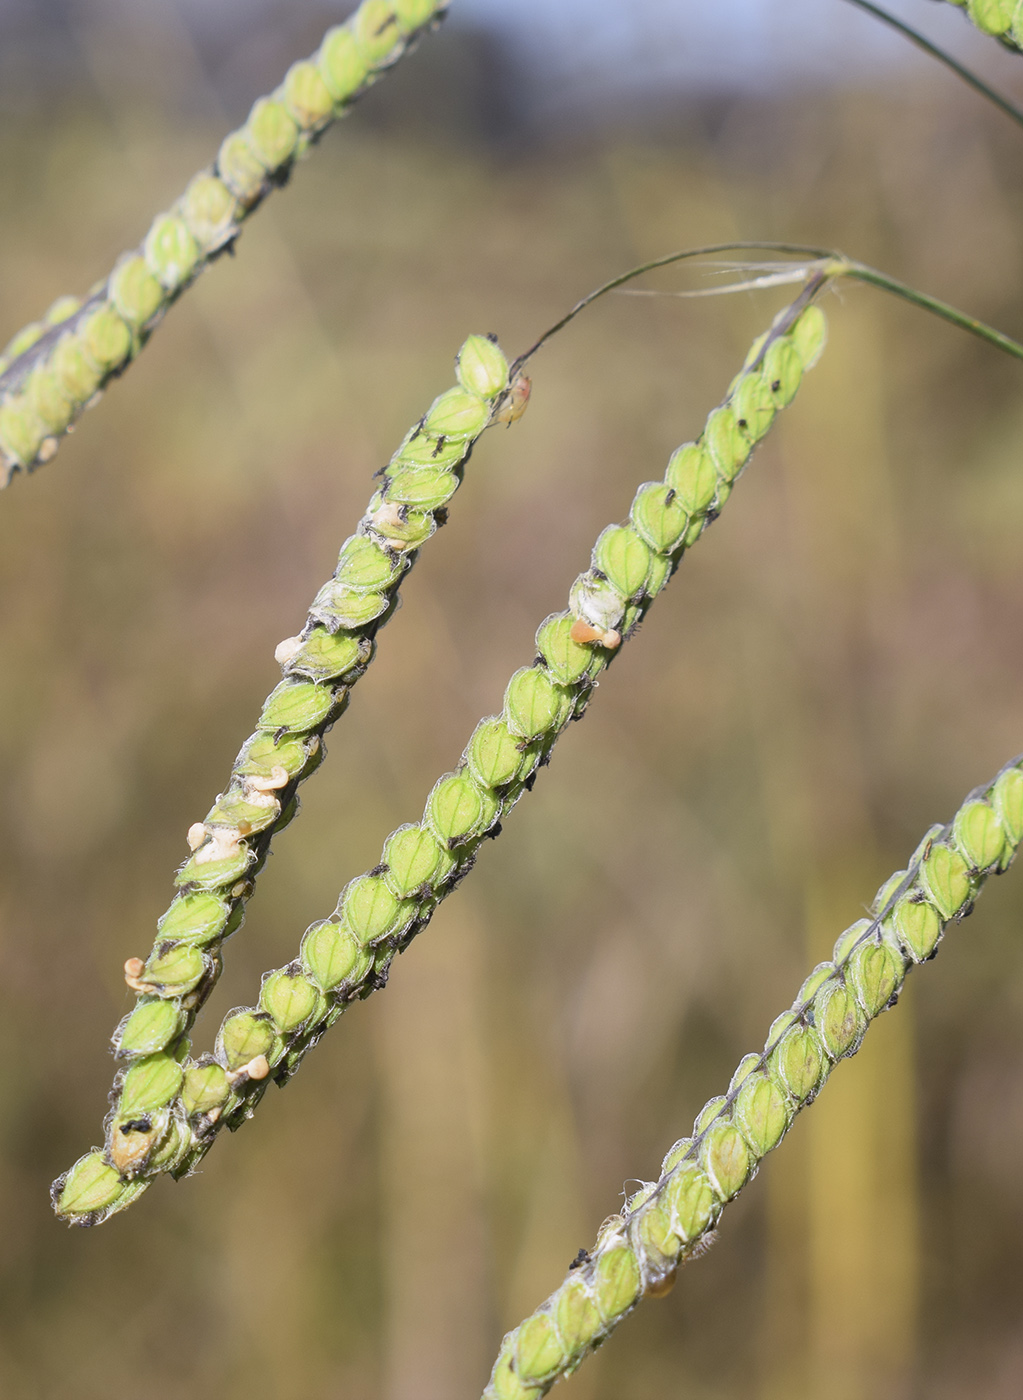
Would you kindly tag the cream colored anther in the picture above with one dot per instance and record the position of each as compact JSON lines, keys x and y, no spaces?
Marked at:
{"x":133,"y":970}
{"x":583,"y":632}
{"x":196,"y":835}
{"x":257,"y":1068}
{"x":278,"y":778}
{"x":287,"y":650}
{"x":222,"y":844}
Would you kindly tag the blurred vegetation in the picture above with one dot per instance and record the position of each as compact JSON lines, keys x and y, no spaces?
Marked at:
{"x":834,"y":667}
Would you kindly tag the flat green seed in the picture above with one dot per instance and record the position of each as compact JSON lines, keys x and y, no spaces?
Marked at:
{"x":979,"y":835}
{"x":454,"y":809}
{"x":210,"y":210}
{"x":838,"y":1018}
{"x":403,"y":529}
{"x":272,"y":132}
{"x":376,"y":30}
{"x":148,"y":1086}
{"x":369,"y":909}
{"x":538,"y":1351}
{"x":762,"y":1112}
{"x":659,"y":517}
{"x":493,"y":754}
{"x":171,"y":251}
{"x":151,"y":1027}
{"x":428,"y":488}
{"x":783,"y":370}
{"x":24,"y":340}
{"x":810,"y":335}
{"x":675,"y":1154}
{"x":412,"y":857}
{"x":918,"y":926}
{"x":105,"y":338}
{"x":330,"y":953}
{"x":195,"y":918}
{"x":623,"y":557}
{"x":710,"y":1110}
{"x":744,"y":1069}
{"x":887,"y":890}
{"x":243,"y":1036}
{"x":90,"y":1185}
{"x":753,"y":406}
{"x":692,"y":1198}
{"x":947,"y":879}
{"x":421,"y":450}
{"x":77,"y":375}
{"x":46,"y":399}
{"x":846,"y":941}
{"x":240,"y":168}
{"x":726,"y":1159}
{"x":135,"y":291}
{"x":212,"y":874}
{"x":21,"y":433}
{"x":991,"y":16}
{"x":171,"y":1152}
{"x":506,"y":1384}
{"x":876,"y":974}
{"x":456,"y":414}
{"x":616,"y":1281}
{"x":291,"y":1000}
{"x":342,"y":67}
{"x":692,"y":476}
{"x":531,"y":702}
{"x":298,"y":706}
{"x":821,"y":974}
{"x":177,"y":971}
{"x":577,"y":1316}
{"x":1008,"y":800}
{"x":365,"y":566}
{"x":234,"y":811}
{"x":727,"y":443}
{"x":203,"y":1088}
{"x":481,"y":367}
{"x":61,"y":309}
{"x":567,"y":661}
{"x":264,"y":753}
{"x":413,"y":14}
{"x":307,"y":96}
{"x":326,"y":655}
{"x":338,"y":607}
{"x":657,"y":1234}
{"x":799,"y":1062}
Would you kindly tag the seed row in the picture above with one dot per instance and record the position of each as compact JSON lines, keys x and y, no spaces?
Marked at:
{"x":1002,"y":19}
{"x":672,"y":1220}
{"x":168,"y":1108}
{"x":55,"y":368}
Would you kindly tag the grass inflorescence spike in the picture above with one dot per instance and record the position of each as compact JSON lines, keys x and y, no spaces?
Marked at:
{"x":320,"y":666}
{"x":55,"y":368}
{"x":175,"y":1114}
{"x":667,"y":1222}
{"x":1002,"y":19}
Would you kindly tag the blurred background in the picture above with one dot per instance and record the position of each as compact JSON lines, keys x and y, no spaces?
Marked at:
{"x":836,"y":664}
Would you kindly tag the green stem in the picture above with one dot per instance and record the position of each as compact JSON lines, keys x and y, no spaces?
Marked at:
{"x":673,"y":1220}
{"x":960,"y":70}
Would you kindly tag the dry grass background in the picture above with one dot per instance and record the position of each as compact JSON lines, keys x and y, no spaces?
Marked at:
{"x":835,"y":665}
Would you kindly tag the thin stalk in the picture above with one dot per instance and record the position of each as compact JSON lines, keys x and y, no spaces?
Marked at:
{"x":959,"y":69}
{"x":674,"y":1219}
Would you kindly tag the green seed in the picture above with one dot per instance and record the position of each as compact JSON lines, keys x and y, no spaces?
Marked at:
{"x":762,"y":1112}
{"x":412,"y":857}
{"x":243,"y":1036}
{"x":195,"y":918}
{"x":506,"y":1384}
{"x":456,"y":414}
{"x":577,"y":1316}
{"x":711,"y":1110}
{"x":171,"y":1151}
{"x":692,"y":476}
{"x":212,"y":874}
{"x":692,"y":1198}
{"x":616,"y":1282}
{"x":493,"y":755}
{"x":370,"y":910}
{"x":152,"y":1026}
{"x":91,"y":1185}
{"x":918,"y":927}
{"x":171,"y":251}
{"x":233,"y":811}
{"x":979,"y":835}
{"x":783,"y":371}
{"x":1008,"y":800}
{"x":727,"y":444}
{"x":531,"y":703}
{"x":876,"y":974}
{"x":272,"y":132}
{"x":538,"y":1351}
{"x":725,"y":1158}
{"x":240,"y":168}
{"x":341,"y":65}
{"x":77,"y":376}
{"x":204,"y":1087}
{"x":105,"y":339}
{"x":263,"y":753}
{"x":809,"y":336}
{"x":135,"y":292}
{"x":659,"y":517}
{"x":46,"y":399}
{"x":838,"y":1018}
{"x":24,"y":340}
{"x":566,"y":660}
{"x":330,"y":953}
{"x":177,"y":971}
{"x":427,"y":488}
{"x":307,"y":96}
{"x":403,"y":529}
{"x":21,"y":433}
{"x":821,"y":974}
{"x":454,"y":809}
{"x":622,"y":556}
{"x":799,"y":1062}
{"x":291,"y":1000}
{"x":991,"y":16}
{"x":148,"y":1086}
{"x":743,"y":1070}
{"x":753,"y":406}
{"x":675,"y":1155}
{"x":421,"y":450}
{"x":376,"y":31}
{"x":947,"y":880}
{"x":338,"y":607}
{"x":413,"y":14}
{"x":298,"y":706}
{"x":363,"y":565}
{"x":481,"y":366}
{"x":209,"y":209}
{"x":847,"y":941}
